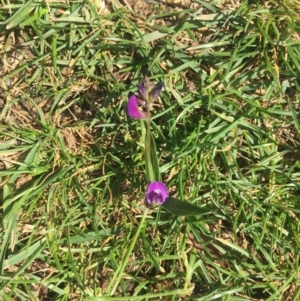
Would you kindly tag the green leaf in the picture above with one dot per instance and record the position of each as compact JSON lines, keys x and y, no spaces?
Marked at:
{"x":149,"y":169}
{"x":151,"y":160}
{"x":154,"y":159}
{"x":19,"y":16}
{"x":179,"y":207}
{"x":36,"y":17}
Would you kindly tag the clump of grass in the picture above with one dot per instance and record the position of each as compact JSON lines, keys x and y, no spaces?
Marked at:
{"x":72,"y":175}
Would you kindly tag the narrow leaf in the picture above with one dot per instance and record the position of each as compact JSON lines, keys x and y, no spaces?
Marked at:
{"x":179,"y":207}
{"x":149,"y":170}
{"x":154,"y":159}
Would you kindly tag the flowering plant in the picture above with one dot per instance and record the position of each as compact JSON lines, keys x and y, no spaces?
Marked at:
{"x":139,"y":107}
{"x":157,"y":194}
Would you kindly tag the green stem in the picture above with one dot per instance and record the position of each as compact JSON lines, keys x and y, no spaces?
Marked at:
{"x":148,"y":146}
{"x":119,"y":272}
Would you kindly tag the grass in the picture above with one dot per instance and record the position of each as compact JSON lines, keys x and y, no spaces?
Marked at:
{"x":227,"y":131}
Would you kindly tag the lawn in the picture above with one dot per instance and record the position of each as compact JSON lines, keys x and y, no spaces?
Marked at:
{"x":226,"y":127}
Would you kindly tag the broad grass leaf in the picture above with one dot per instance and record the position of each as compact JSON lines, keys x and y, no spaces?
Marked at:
{"x":179,"y":207}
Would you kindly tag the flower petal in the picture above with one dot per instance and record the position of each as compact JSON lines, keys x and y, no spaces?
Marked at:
{"x":133,"y":108}
{"x":142,"y":91}
{"x":157,"y":193}
{"x":156,"y":91}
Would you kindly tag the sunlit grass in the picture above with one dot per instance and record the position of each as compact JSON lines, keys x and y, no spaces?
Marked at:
{"x":72,"y":169}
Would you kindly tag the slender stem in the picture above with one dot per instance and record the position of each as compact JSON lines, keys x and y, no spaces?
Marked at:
{"x":148,"y":146}
{"x":119,"y":272}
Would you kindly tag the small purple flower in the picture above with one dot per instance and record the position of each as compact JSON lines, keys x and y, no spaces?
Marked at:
{"x":156,"y":91}
{"x":142,"y":91}
{"x":157,"y":194}
{"x":146,"y":84}
{"x":137,"y":104}
{"x":133,"y":109}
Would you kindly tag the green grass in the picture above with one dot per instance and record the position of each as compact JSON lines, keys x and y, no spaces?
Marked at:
{"x":72,"y":171}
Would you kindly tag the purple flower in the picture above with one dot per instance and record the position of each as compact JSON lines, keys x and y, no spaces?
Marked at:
{"x":142,"y":91}
{"x":156,"y":91}
{"x":137,"y":104}
{"x":133,"y":109}
{"x":157,"y":194}
{"x":148,"y":91}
